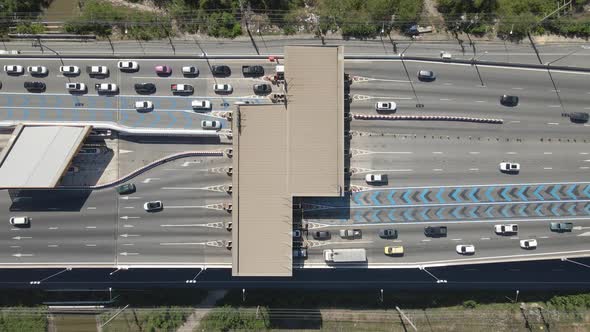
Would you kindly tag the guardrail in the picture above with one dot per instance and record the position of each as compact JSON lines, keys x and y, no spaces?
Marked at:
{"x":426,"y":118}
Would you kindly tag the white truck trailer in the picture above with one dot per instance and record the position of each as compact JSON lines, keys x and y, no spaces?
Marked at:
{"x":345,"y":255}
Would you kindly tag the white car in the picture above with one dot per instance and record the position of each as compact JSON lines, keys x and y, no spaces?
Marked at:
{"x":465,"y":249}
{"x":201,"y":105}
{"x":445,"y":55}
{"x":208,"y":124}
{"x":506,"y":229}
{"x":376,"y":178}
{"x":19,"y":221}
{"x":182,"y":88}
{"x":97,"y":70}
{"x":509,"y":167}
{"x":14,"y":69}
{"x":386,"y":106}
{"x":190,"y":71}
{"x":153,"y":206}
{"x":223,"y":88}
{"x":76,"y":87}
{"x":144,"y":105}
{"x":128,"y":65}
{"x":37,"y":70}
{"x":106,"y":87}
{"x":70,"y":70}
{"x":528,"y":244}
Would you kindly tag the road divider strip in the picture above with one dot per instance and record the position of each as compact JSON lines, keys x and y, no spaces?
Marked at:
{"x":141,"y":170}
{"x":426,"y":118}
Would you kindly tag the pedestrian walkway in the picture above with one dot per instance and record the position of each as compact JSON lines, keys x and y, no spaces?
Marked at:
{"x":204,"y":307}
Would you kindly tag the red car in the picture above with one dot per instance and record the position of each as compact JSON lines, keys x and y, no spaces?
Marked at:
{"x":163,"y":70}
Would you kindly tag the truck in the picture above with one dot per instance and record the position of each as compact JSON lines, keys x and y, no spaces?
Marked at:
{"x":506,"y":229}
{"x":181,"y":88}
{"x":252,"y":71}
{"x":280,"y":73}
{"x":345,"y":255}
{"x":97,"y":70}
{"x":350,"y":233}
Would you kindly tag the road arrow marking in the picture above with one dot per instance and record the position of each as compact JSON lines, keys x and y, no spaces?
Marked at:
{"x":128,"y":217}
{"x":128,"y":253}
{"x":187,"y":163}
{"x":129,"y":197}
{"x":148,"y":180}
{"x":585,"y":234}
{"x":579,"y":228}
{"x":21,"y":237}
{"x":129,"y":235}
{"x":124,"y":151}
{"x":22,"y":255}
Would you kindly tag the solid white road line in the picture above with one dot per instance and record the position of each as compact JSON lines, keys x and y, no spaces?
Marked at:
{"x":553,"y":123}
{"x":548,"y":168}
{"x":547,"y":152}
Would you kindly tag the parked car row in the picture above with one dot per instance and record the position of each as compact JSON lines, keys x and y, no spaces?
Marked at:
{"x":129,"y":66}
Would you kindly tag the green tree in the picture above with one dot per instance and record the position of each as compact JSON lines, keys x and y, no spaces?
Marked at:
{"x":223,"y":25}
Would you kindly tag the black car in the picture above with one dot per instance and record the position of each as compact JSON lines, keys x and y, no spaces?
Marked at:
{"x":126,"y":189}
{"x":252,"y":71}
{"x":262,"y":89}
{"x":579,"y":117}
{"x":35,"y":86}
{"x":388,"y":233}
{"x":509,"y":101}
{"x":321,"y":235}
{"x":435,"y":231}
{"x":145,"y":88}
{"x":221,"y":71}
{"x":426,"y":75}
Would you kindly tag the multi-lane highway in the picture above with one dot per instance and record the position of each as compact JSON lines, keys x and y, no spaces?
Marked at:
{"x":443,"y":173}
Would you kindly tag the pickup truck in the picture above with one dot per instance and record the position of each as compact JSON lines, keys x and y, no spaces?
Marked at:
{"x":106,"y":87}
{"x":561,"y":227}
{"x":252,"y":71}
{"x":506,"y":229}
{"x":350,"y":233}
{"x":181,"y":88}
{"x":97,"y":70}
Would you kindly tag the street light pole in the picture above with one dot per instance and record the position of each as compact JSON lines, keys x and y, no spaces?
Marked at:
{"x":194,"y":279}
{"x":38,"y":282}
{"x":438,"y":281}
{"x":564,"y":259}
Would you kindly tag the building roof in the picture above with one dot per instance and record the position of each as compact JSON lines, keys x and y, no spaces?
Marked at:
{"x":286,"y":150}
{"x":315,"y":102}
{"x":262,"y":212}
{"x":38,"y":156}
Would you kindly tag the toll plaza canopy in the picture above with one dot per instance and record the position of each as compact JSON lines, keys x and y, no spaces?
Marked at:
{"x":38,"y":156}
{"x":284,"y":150}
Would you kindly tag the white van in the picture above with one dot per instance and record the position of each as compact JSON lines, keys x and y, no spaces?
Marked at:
{"x":19,"y":221}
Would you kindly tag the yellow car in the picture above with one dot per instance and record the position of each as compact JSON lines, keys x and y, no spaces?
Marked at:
{"x":391,"y":251}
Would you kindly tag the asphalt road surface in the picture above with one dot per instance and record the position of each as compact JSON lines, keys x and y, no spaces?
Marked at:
{"x":439,"y":172}
{"x":573,"y":53}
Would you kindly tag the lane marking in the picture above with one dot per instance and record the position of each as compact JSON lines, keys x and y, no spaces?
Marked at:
{"x":437,"y":152}
{"x":437,"y":169}
{"x":474,"y":152}
{"x":517,"y":88}
{"x":512,"y":152}
{"x":426,"y":240}
{"x":584,"y":167}
{"x":484,"y":238}
{"x":553,"y":123}
{"x":90,"y":227}
{"x":367,"y":207}
{"x":480,"y":101}
{"x":90,"y":245}
{"x":548,"y":168}
{"x":474,"y":169}
{"x":52,"y":245}
{"x":547,"y":152}
{"x":480,"y":185}
{"x":554,"y":106}
{"x":514,"y":121}
{"x":129,"y":207}
{"x":91,"y":208}
{"x":457,"y":239}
